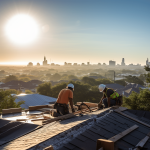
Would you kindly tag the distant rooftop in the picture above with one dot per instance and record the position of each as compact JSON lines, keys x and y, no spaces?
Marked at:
{"x":34,"y":100}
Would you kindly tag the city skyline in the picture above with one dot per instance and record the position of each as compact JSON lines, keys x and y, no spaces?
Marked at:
{"x":111,"y":63}
{"x":78,"y":31}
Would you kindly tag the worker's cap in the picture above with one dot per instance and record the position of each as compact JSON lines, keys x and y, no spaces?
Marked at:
{"x":70,"y":85}
{"x":101,"y":87}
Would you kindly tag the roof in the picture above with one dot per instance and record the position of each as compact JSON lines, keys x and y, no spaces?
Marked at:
{"x":12,"y":130}
{"x":82,"y":132}
{"x":16,"y":84}
{"x":34,"y":100}
{"x":114,"y":86}
{"x":106,"y":128}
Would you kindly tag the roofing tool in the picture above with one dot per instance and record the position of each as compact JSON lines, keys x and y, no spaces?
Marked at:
{"x":80,"y":108}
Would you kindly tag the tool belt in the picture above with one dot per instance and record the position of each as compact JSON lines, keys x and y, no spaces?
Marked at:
{"x":119,"y":100}
{"x":64,"y":106}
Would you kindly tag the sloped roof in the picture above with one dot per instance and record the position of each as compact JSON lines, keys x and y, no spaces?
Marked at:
{"x":11,"y":130}
{"x":34,"y":100}
{"x":114,"y":86}
{"x":15,"y":84}
{"x":106,"y":128}
{"x":81,"y":133}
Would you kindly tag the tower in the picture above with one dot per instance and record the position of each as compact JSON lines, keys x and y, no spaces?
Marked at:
{"x":45,"y":61}
{"x":147,"y":62}
{"x":123,"y":63}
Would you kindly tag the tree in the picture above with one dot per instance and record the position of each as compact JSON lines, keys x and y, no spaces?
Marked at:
{"x":134,"y":79}
{"x":8,"y":101}
{"x":10,"y":78}
{"x":45,"y":89}
{"x":28,"y":92}
{"x":103,"y":81}
{"x":138,"y":101}
{"x":55,"y":76}
{"x":87,"y":80}
{"x":121,"y":82}
{"x":25,"y":79}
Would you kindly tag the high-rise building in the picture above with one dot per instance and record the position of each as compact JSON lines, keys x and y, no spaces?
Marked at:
{"x":45,"y":61}
{"x":112,"y":63}
{"x":147,"y":62}
{"x":123,"y":63}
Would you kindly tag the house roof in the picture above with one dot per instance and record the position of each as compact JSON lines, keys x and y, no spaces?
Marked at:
{"x":15,"y":84}
{"x":106,"y":128}
{"x":34,"y":100}
{"x":82,"y":132}
{"x":12,"y":130}
{"x":114,"y":86}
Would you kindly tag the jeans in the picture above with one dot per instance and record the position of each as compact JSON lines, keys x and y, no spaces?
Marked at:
{"x":112,"y":102}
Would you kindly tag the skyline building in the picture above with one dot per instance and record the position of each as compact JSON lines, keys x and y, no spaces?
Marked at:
{"x":45,"y":61}
{"x":112,"y":63}
{"x":123,"y":62}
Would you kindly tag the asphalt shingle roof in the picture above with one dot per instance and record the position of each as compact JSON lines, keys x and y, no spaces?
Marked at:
{"x":34,"y":100}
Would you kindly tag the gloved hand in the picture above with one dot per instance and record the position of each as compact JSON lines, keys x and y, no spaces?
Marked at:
{"x":73,"y":110}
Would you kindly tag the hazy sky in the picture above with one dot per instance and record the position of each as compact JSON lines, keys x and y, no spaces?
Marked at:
{"x":80,"y":31}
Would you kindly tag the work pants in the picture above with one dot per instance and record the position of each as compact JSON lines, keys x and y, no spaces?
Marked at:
{"x":112,"y":102}
{"x":62,"y":109}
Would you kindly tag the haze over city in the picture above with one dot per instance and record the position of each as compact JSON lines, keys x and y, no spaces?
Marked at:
{"x":74,"y":31}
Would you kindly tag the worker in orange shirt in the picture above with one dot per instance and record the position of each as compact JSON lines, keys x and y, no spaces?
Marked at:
{"x":65,"y":96}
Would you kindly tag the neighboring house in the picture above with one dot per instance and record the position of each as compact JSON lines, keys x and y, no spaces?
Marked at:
{"x":34,"y":100}
{"x":21,"y":85}
{"x":129,"y":88}
{"x":114,"y":86}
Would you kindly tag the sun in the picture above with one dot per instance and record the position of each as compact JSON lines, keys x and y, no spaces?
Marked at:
{"x":22,"y":29}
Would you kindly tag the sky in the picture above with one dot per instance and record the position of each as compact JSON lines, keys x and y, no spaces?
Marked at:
{"x":78,"y":31}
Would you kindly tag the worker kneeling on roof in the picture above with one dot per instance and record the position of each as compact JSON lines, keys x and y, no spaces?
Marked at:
{"x":110,"y":97}
{"x":65,"y":96}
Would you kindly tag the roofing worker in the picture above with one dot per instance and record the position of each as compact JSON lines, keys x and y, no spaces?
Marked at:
{"x":65,"y":96}
{"x":110,"y":97}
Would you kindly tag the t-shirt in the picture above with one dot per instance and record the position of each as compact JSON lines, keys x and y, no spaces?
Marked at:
{"x":64,"y":95}
{"x":109,"y":92}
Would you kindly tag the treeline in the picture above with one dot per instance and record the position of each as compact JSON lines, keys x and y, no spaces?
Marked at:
{"x":86,"y":90}
{"x":8,"y":101}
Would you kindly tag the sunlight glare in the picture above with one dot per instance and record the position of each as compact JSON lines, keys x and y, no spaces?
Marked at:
{"x":22,"y":29}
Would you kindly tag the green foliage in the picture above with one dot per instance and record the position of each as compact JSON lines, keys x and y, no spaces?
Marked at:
{"x":13,"y":91}
{"x":7,"y":101}
{"x":57,"y":88}
{"x":147,"y":68}
{"x":45,"y":89}
{"x":82,"y":92}
{"x":121,"y":82}
{"x":88,"y":80}
{"x":25,"y":79}
{"x":103,"y":81}
{"x":55,"y":77}
{"x":138,"y":101}
{"x":134,"y":79}
{"x":10,"y":78}
{"x":28,"y":92}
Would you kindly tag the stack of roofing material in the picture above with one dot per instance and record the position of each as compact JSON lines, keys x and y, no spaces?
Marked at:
{"x":34,"y":100}
{"x":12,"y":130}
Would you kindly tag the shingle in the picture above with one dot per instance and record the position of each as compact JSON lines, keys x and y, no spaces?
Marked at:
{"x":130,"y":139}
{"x":69,"y":146}
{"x":82,"y":138}
{"x":64,"y":148}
